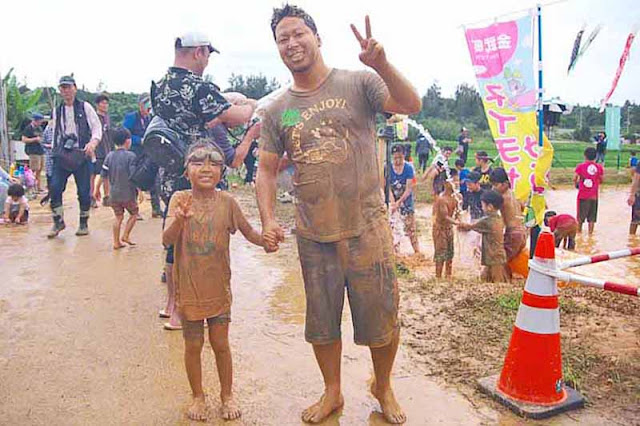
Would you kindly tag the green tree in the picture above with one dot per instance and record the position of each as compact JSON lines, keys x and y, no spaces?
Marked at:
{"x":468,"y":104}
{"x":432,"y":103}
{"x":252,"y":86}
{"x":21,"y":103}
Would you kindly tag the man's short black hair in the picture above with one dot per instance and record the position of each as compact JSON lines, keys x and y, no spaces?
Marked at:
{"x":590,"y":153}
{"x":448,"y":149}
{"x":15,"y":190}
{"x":492,"y":198}
{"x":482,"y":155}
{"x":120,"y":136}
{"x":498,"y":175}
{"x":101,"y":97}
{"x":291,"y":11}
{"x":453,"y":173}
{"x":459,"y":162}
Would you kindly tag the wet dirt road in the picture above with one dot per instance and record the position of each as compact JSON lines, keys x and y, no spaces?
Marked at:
{"x":81,"y":342}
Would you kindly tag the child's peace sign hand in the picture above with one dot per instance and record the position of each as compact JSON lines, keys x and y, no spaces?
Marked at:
{"x":183,"y":209}
{"x":372,"y":53}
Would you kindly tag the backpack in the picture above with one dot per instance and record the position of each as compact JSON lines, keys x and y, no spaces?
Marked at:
{"x":143,"y":172}
{"x":164,"y":146}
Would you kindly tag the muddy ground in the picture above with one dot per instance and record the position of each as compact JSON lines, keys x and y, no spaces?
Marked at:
{"x":459,"y":330}
{"x":82,"y":343}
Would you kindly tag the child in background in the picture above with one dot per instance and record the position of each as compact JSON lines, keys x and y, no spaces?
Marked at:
{"x":564,"y":228}
{"x":437,"y":171}
{"x":491,"y":226}
{"x":444,"y":209}
{"x":199,"y":224}
{"x":16,"y":206}
{"x":588,"y":177}
{"x":483,"y":166}
{"x":462,"y":176}
{"x":515,"y":234}
{"x":122,"y":192}
{"x":472,"y":201}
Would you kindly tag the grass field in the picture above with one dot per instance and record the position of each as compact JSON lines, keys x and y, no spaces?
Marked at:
{"x":567,"y":154}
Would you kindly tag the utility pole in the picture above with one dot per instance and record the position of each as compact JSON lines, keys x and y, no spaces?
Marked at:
{"x":628,"y":118}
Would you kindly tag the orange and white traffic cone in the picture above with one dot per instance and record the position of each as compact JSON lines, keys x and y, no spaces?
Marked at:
{"x":531,"y":379}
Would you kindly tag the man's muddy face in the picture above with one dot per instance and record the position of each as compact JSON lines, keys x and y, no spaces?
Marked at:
{"x":398,"y":159}
{"x":203,"y":173}
{"x":299,"y":47}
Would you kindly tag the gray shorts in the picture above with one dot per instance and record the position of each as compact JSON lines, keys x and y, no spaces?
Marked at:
{"x":195,"y":329}
{"x":365,"y":265}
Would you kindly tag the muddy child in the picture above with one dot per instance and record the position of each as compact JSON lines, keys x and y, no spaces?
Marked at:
{"x":444,"y":209}
{"x":402,"y":182}
{"x":16,"y":206}
{"x":491,"y":226}
{"x":564,"y":228}
{"x":588,"y":177}
{"x":199,"y":224}
{"x":121,"y":191}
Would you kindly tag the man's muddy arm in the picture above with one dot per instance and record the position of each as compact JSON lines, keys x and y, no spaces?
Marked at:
{"x":403,"y":97}
{"x":266,"y":185}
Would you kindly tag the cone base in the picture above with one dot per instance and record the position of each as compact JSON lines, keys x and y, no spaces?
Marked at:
{"x":573,"y":401}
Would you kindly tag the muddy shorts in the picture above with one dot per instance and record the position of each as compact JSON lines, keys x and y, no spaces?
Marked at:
{"x":365,"y":266}
{"x":588,"y":210}
{"x":515,"y":240}
{"x":635,"y":211}
{"x":119,"y":207}
{"x":36,"y":162}
{"x":195,"y":329}
{"x":566,"y":235}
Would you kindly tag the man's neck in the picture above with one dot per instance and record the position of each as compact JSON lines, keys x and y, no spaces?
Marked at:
{"x":178,"y":63}
{"x":120,"y":147}
{"x":311,"y":79}
{"x":69,"y":103}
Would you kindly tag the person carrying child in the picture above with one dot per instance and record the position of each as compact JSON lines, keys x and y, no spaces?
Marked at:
{"x":438,"y":171}
{"x":588,"y":177}
{"x":564,"y":228}
{"x":199,"y":224}
{"x":121,"y":191}
{"x":491,"y":226}
{"x":402,"y":183}
{"x":444,"y":210}
{"x":16,"y":206}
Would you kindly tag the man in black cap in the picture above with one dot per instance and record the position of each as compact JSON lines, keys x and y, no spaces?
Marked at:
{"x":31,"y":136}
{"x":76,"y":135}
{"x":474,"y":193}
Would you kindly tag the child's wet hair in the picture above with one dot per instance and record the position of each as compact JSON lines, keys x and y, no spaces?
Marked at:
{"x":590,"y":153}
{"x":15,"y":190}
{"x":447,"y":149}
{"x":493,"y":198}
{"x":459,"y":163}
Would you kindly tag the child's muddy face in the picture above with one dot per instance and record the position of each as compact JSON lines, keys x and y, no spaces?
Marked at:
{"x":204,"y":174}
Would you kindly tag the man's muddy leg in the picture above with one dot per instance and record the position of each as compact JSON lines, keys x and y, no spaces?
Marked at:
{"x":439,"y":266}
{"x":383,"y":359}
{"x":117,"y":223}
{"x":449,"y":268}
{"x":192,"y":360}
{"x":329,"y":358}
{"x":633,"y":228}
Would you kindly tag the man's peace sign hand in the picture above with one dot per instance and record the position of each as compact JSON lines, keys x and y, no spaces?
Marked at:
{"x":372,"y":53}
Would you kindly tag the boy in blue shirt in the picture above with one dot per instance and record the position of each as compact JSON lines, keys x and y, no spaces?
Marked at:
{"x":402,"y":180}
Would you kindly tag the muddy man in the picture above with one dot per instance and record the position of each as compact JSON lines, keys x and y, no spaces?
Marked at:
{"x":342,"y":230}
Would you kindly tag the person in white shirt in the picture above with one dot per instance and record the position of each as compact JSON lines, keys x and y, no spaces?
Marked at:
{"x":16,"y":206}
{"x":76,"y":135}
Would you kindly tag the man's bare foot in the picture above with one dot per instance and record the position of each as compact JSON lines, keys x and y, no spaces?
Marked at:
{"x":390,"y":408}
{"x":118,"y":246}
{"x":229,"y":409}
{"x":323,"y":408}
{"x":198,"y":409}
{"x":128,"y":241}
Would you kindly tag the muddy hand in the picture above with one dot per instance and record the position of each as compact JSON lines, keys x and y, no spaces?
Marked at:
{"x":372,"y":53}
{"x":183,"y":210}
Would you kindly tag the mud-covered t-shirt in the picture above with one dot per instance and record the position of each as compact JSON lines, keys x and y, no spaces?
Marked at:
{"x":329,"y":134}
{"x":491,"y":227}
{"x":201,"y":268}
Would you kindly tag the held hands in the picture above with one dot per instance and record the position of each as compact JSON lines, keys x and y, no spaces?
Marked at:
{"x":272,"y":236}
{"x":254,"y":131}
{"x":372,"y":53}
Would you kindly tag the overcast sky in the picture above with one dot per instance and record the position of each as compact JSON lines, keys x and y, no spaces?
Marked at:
{"x":126,"y":44}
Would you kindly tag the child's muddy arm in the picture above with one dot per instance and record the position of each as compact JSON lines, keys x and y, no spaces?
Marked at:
{"x":172,"y":231}
{"x":249,"y":233}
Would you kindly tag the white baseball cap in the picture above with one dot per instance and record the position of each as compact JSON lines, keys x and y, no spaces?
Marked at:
{"x":194,"y":39}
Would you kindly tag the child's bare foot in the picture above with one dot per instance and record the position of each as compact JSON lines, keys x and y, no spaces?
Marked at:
{"x":198,"y":408}
{"x":229,"y":409}
{"x":118,"y":245}
{"x":390,"y":408}
{"x":128,"y":241}
{"x":323,"y":408}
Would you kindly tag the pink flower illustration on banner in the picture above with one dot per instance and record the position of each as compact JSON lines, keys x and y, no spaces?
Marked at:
{"x":492,"y":47}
